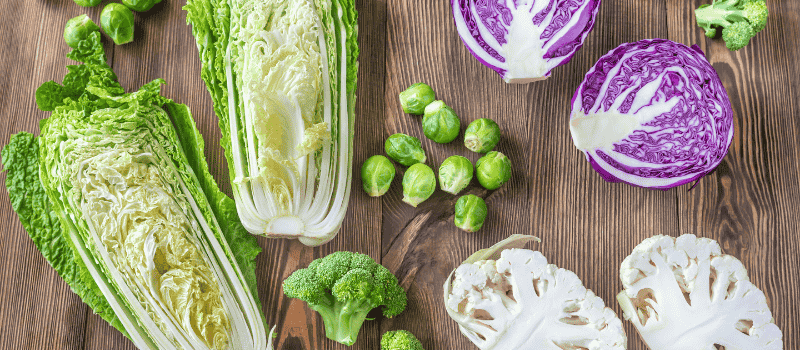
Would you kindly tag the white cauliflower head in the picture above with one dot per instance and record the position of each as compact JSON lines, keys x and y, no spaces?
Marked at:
{"x":520,"y":302}
{"x":684,"y":294}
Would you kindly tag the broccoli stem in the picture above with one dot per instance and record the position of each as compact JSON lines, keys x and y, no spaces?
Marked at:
{"x":343,"y":320}
{"x":720,"y":13}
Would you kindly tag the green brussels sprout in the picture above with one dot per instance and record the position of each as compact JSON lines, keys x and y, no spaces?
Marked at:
{"x":440,"y":122}
{"x":78,"y":29}
{"x":416,"y":97}
{"x":419,"y":182}
{"x":88,"y":3}
{"x":470,"y":213}
{"x":455,"y":173}
{"x":482,"y":135}
{"x":405,"y":149}
{"x":117,"y":22}
{"x":377,"y":174}
{"x":493,"y":170}
{"x":140,"y":5}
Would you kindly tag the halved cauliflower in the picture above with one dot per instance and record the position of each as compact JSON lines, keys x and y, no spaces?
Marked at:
{"x":684,"y":294}
{"x":519,"y":301}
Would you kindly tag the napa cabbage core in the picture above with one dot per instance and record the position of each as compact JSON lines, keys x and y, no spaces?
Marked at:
{"x":141,"y":223}
{"x":283,"y":95}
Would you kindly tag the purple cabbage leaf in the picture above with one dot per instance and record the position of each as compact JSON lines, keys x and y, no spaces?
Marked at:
{"x":652,"y":114}
{"x":523,"y":40}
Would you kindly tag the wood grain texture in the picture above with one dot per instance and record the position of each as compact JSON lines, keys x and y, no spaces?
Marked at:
{"x":750,"y":204}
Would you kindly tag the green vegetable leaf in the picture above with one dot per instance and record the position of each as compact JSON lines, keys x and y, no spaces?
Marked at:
{"x":493,"y":252}
{"x":140,"y":218}
{"x":30,"y":202}
{"x":50,"y":95}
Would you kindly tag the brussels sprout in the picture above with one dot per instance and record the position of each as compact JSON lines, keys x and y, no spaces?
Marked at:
{"x":455,"y":173}
{"x":440,"y":122}
{"x":404,"y":149}
{"x":140,"y":5}
{"x":419,"y":182}
{"x":78,"y":29}
{"x":482,"y":135}
{"x":377,"y":174}
{"x":493,"y":170}
{"x":416,"y":97}
{"x":88,"y":3}
{"x":117,"y":22}
{"x":470,"y":213}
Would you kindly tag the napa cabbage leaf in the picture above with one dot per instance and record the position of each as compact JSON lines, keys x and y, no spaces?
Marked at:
{"x":117,"y":195}
{"x":282,"y":75}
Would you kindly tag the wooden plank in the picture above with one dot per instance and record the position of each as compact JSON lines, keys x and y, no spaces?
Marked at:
{"x":743,"y":205}
{"x":422,"y":244}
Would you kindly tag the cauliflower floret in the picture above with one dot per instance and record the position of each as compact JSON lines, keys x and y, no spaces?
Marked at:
{"x":684,"y":294}
{"x":521,"y":302}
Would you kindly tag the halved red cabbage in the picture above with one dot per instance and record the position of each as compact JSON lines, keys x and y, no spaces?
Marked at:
{"x":523,"y":40}
{"x":652,"y":114}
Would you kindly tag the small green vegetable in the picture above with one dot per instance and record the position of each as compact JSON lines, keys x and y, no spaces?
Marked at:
{"x":405,"y":149}
{"x":88,"y":3}
{"x":440,"y":122}
{"x":493,"y":170}
{"x":117,"y":22}
{"x":419,"y":182}
{"x":377,"y":174}
{"x":78,"y":29}
{"x":470,"y":213}
{"x":482,"y":135}
{"x":740,"y":20}
{"x":455,"y":173}
{"x":737,"y":35}
{"x":400,"y":340}
{"x":416,"y":98}
{"x":140,"y":5}
{"x":344,"y":287}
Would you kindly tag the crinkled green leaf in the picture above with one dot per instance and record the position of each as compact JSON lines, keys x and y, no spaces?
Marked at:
{"x":29,"y":200}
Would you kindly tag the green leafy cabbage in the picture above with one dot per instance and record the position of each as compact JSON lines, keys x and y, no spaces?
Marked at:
{"x":117,"y":196}
{"x":282,"y":75}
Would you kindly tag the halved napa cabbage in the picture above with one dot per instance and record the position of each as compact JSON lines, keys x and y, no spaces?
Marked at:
{"x":282,"y":74}
{"x":117,"y":195}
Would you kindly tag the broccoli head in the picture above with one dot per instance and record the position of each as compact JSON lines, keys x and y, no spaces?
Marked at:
{"x":343,"y":288}
{"x":400,"y":340}
{"x":740,"y":20}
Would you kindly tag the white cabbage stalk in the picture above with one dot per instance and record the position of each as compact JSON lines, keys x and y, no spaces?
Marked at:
{"x":290,"y":75}
{"x":141,"y":224}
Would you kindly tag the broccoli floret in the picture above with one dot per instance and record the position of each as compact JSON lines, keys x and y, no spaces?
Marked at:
{"x":400,"y":340}
{"x":343,"y":288}
{"x":740,"y":20}
{"x":737,"y":35}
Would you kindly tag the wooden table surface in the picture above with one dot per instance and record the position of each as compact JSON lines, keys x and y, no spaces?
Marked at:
{"x":750,"y":204}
